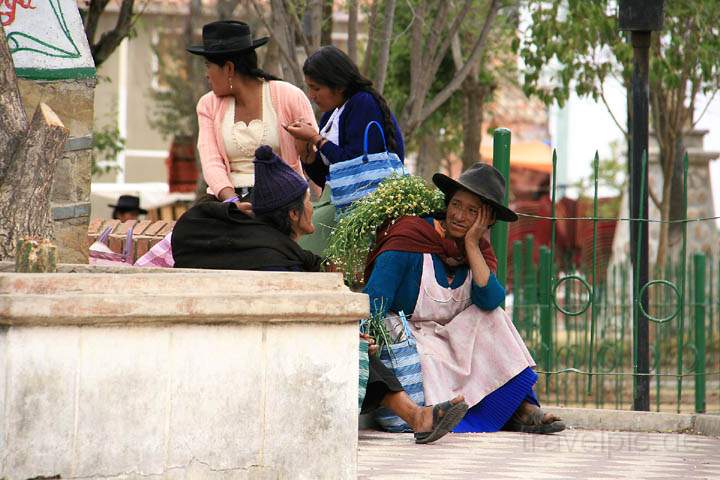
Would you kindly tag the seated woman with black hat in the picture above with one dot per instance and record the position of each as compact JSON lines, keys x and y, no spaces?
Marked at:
{"x":246,"y":108}
{"x":218,"y":235}
{"x":442,"y":272}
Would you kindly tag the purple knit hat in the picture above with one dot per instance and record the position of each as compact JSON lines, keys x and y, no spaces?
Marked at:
{"x":276,"y":183}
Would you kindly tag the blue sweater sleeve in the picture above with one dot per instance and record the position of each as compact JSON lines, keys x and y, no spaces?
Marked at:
{"x":388,"y":278}
{"x":488,"y":297}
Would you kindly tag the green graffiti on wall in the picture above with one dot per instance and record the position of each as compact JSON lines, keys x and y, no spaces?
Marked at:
{"x":21,"y":41}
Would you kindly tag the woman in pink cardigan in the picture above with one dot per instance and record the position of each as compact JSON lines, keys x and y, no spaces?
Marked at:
{"x":246,"y":108}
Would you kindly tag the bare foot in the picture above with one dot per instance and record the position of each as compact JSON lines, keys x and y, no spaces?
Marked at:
{"x":424,"y":416}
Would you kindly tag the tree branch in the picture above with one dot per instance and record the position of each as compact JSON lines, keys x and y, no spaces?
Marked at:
{"x":707,"y":105}
{"x":609,"y":109}
{"x":452,"y":32}
{"x":459,"y":77}
{"x":96,"y":8}
{"x":110,"y":40}
{"x":654,"y":197}
{"x":299,"y":32}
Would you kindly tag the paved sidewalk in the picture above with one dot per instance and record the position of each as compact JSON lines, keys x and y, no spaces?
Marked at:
{"x":569,"y":454}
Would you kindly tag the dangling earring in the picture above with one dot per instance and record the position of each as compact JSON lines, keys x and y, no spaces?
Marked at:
{"x":230,"y":80}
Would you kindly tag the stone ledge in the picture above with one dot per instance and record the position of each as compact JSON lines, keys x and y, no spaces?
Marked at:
{"x":632,"y":421}
{"x":208,"y":297}
{"x":155,"y":281}
{"x":100,"y":309}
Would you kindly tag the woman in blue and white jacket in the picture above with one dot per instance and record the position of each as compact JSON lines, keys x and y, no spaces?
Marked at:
{"x":349,"y":103}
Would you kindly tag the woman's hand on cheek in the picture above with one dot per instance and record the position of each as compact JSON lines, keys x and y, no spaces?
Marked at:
{"x":483,"y":221}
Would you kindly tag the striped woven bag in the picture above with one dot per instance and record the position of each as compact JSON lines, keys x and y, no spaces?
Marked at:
{"x":353,"y":179}
{"x":364,"y":372}
{"x":403,"y":359}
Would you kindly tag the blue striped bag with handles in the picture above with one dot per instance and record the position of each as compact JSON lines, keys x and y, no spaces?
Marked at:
{"x":403,"y":359}
{"x":352,"y":179}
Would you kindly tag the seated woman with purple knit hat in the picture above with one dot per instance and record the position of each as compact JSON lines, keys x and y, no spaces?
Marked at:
{"x":218,"y":235}
{"x":441,"y":271}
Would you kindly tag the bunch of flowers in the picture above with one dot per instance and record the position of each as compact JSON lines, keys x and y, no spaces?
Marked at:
{"x":353,"y":236}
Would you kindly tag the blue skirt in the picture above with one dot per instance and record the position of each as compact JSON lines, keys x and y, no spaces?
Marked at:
{"x":495,"y":410}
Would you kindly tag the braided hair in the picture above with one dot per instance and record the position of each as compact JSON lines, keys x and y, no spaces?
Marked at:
{"x":246,"y":63}
{"x":331,"y":67}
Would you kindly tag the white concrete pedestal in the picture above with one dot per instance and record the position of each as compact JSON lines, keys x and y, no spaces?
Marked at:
{"x":197,"y":375}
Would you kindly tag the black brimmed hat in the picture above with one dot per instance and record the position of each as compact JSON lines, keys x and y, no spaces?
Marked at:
{"x":483,"y":180}
{"x":227,"y":37}
{"x":129,"y":203}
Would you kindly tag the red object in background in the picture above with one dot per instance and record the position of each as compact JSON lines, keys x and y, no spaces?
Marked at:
{"x":182,"y":169}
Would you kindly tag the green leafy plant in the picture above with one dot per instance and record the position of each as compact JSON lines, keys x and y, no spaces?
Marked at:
{"x":107,"y":144}
{"x":352,"y":238}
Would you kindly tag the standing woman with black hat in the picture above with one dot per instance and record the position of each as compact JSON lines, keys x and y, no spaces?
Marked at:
{"x":441,"y":271}
{"x":246,"y":108}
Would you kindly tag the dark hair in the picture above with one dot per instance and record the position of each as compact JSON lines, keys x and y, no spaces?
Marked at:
{"x":331,"y":67}
{"x":280,"y":217}
{"x":246,"y":63}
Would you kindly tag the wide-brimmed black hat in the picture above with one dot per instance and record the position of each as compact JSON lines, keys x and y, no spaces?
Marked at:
{"x":483,"y":180}
{"x":226,"y":37}
{"x":129,"y":203}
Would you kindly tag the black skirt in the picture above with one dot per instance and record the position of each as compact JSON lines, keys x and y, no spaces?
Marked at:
{"x":381,"y":381}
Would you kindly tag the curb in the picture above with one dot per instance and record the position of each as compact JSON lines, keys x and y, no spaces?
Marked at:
{"x":622,"y":420}
{"x":632,"y":421}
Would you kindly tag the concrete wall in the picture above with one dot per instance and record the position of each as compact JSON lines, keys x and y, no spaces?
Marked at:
{"x":160,"y":375}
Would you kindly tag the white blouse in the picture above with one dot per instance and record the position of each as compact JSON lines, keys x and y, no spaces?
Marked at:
{"x":331,"y":130}
{"x":241,"y":139}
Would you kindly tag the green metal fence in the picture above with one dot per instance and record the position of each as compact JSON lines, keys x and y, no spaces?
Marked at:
{"x":578,"y":322}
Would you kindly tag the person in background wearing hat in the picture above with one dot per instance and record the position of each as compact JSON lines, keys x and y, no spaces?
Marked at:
{"x":218,"y":235}
{"x":127,"y":208}
{"x":246,"y":108}
{"x":441,"y":270}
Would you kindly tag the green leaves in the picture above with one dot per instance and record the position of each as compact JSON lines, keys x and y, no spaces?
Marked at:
{"x":354,"y":234}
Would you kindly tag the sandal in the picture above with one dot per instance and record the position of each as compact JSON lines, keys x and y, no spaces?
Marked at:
{"x":442,"y":425}
{"x":534,"y":423}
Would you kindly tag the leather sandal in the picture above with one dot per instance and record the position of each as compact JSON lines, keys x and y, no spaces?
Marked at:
{"x":446,"y":416}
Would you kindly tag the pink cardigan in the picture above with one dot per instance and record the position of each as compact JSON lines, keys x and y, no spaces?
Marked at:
{"x":290,"y":104}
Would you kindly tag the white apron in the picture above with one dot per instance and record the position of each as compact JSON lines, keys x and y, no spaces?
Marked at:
{"x":463,"y":350}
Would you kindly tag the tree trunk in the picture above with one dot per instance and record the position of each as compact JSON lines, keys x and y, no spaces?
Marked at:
{"x":327,"y":23}
{"x":474,"y":96}
{"x":371,"y":38}
{"x":25,"y":189}
{"x":429,"y":156}
{"x":13,"y":120}
{"x":312,"y":23}
{"x":384,"y":57}
{"x":352,"y":30}
{"x":284,"y":33}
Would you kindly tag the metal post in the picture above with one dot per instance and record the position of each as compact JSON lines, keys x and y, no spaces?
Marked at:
{"x":499,"y":233}
{"x":699,"y":314}
{"x":640,"y":17}
{"x":639,"y":253}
